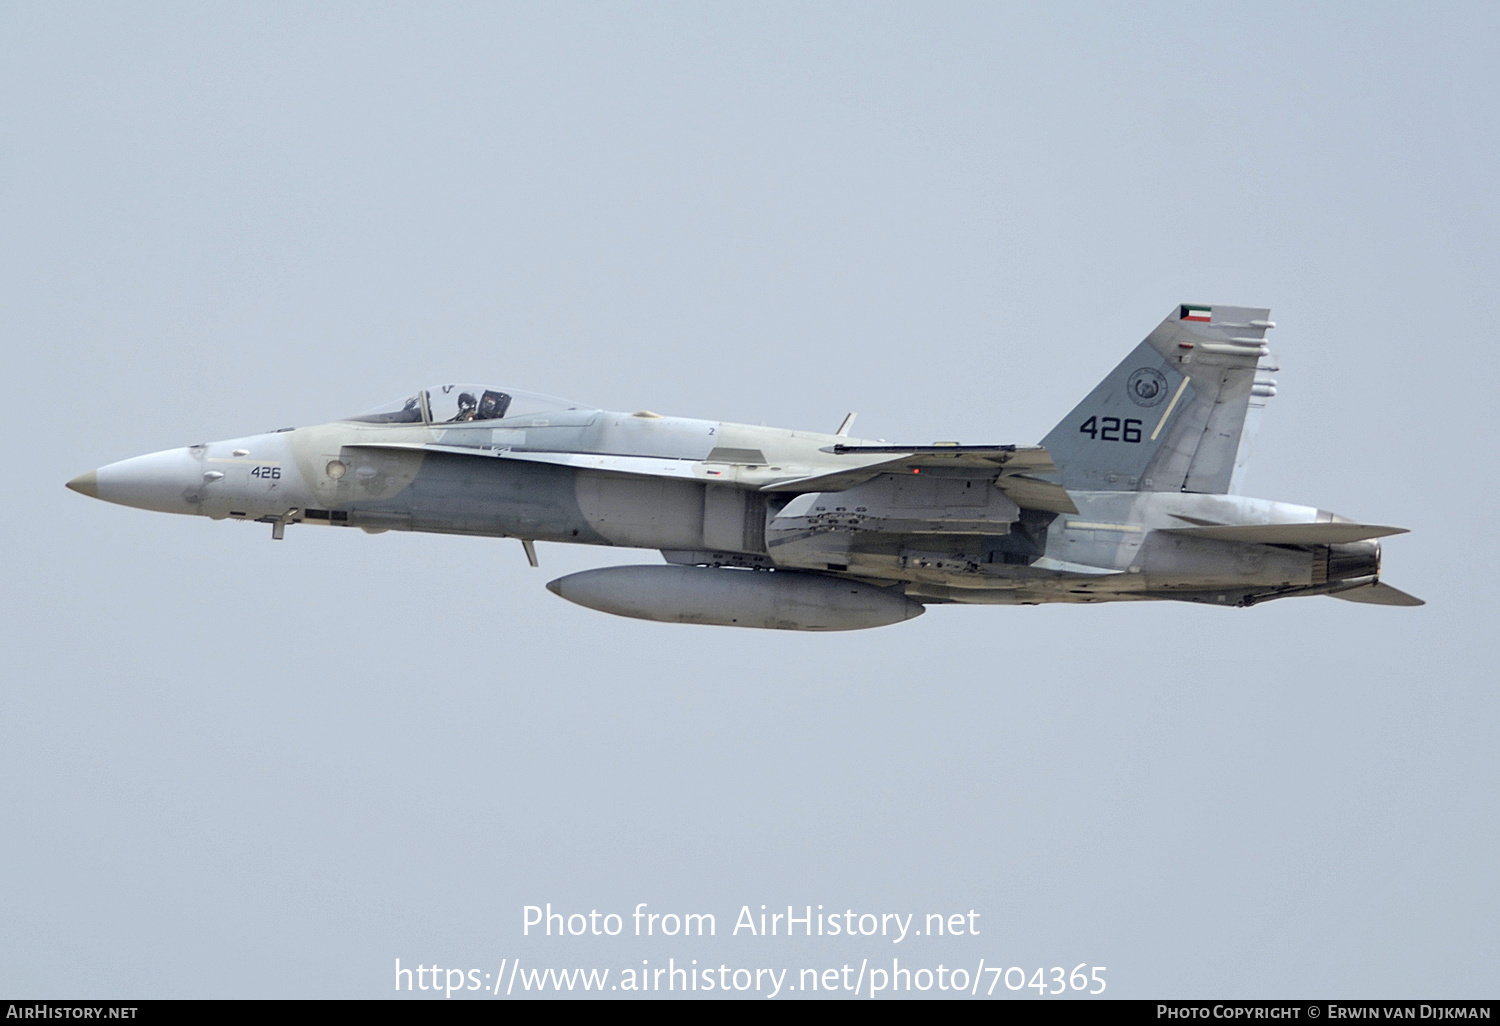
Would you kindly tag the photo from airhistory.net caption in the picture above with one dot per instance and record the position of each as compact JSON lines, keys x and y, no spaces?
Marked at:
{"x":849,"y":962}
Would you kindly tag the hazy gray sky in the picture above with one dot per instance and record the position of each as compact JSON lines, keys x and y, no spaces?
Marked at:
{"x":231,"y":767}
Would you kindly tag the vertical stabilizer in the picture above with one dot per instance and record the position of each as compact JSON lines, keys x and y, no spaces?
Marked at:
{"x":1261,"y":394}
{"x":1171,"y":417}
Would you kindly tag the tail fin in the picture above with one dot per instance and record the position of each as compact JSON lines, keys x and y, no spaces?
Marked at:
{"x":1261,"y":394}
{"x":1171,"y":417}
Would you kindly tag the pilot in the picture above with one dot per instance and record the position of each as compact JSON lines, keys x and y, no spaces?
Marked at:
{"x":467,"y":407}
{"x":492,"y":405}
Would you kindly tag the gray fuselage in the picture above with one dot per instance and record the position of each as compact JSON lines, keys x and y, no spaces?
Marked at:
{"x":720,"y":494}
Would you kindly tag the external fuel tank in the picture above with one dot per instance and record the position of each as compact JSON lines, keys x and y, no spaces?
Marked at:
{"x":778,"y":599}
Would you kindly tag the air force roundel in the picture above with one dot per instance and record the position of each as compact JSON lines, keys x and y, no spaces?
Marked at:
{"x":1147,"y":387}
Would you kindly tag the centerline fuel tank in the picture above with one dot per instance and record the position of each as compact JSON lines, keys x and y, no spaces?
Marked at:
{"x":779,"y":599}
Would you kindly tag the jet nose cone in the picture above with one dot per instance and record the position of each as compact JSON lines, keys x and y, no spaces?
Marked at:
{"x":555,"y":587}
{"x":86,"y":484}
{"x":169,"y":482}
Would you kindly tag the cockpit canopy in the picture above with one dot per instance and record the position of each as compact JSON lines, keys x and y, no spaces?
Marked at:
{"x":459,"y":404}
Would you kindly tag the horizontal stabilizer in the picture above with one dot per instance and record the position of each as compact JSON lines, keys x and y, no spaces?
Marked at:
{"x":1326,"y":533}
{"x":1379,"y":594}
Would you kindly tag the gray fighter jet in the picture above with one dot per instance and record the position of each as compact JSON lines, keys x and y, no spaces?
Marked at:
{"x":1132,"y":496}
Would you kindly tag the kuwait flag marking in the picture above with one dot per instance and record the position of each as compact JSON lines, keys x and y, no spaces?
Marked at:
{"x":1197,"y":313}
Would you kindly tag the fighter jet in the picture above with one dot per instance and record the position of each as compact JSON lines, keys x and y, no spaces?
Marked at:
{"x":1133,"y":496}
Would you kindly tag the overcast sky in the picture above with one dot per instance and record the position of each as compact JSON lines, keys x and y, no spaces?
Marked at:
{"x":232,"y":767}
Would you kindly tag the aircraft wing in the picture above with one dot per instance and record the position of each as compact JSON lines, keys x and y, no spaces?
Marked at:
{"x":1017,"y":457}
{"x":1014,"y":466}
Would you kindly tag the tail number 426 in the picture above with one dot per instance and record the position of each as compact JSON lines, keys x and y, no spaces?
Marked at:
{"x":1112,"y":429}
